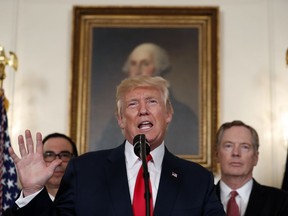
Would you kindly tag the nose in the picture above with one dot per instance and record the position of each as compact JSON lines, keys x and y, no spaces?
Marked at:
{"x":139,"y":69}
{"x":57,"y":155}
{"x":143,"y":109}
{"x":235,"y":151}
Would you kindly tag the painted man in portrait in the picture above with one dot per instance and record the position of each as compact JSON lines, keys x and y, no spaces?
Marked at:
{"x":183,"y":132}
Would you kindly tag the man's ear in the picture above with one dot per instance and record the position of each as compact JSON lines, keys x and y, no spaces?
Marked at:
{"x":121,"y":121}
{"x":217,"y":156}
{"x":169,"y":117}
{"x":256,"y":158}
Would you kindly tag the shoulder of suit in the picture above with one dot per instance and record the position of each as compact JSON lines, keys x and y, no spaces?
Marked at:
{"x":271,"y":190}
{"x":93,"y":155}
{"x":190,"y":165}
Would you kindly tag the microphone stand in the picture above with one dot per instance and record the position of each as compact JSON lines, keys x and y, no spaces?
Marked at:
{"x":146,"y":176}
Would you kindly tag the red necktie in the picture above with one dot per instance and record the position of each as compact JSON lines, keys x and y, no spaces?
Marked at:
{"x":139,"y":206}
{"x":232,"y":207}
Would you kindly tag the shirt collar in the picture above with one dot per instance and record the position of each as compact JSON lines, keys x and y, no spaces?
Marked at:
{"x":243,"y":192}
{"x":157,"y":155}
{"x":51,"y":197}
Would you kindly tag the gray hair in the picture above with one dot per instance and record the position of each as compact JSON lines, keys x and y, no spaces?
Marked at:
{"x":161,"y":59}
{"x":227,"y":125}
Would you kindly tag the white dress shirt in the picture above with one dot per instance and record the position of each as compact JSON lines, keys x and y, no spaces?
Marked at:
{"x":242,"y":198}
{"x":133,"y":164}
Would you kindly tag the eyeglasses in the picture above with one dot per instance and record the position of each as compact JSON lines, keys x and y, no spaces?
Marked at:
{"x":50,"y":156}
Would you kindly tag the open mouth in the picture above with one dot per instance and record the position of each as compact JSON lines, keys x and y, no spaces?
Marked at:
{"x":145,"y":125}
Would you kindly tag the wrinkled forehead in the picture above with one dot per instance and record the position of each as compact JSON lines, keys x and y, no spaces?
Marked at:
{"x":57,"y":144}
{"x":145,"y":90}
{"x":237,"y":134}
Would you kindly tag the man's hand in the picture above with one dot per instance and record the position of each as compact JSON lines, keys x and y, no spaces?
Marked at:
{"x":32,"y":170}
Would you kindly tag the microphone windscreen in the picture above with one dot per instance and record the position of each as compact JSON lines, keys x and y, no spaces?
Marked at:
{"x":137,"y":143}
{"x":139,"y":140}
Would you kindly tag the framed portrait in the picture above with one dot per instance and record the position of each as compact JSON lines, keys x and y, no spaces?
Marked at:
{"x":103,"y":40}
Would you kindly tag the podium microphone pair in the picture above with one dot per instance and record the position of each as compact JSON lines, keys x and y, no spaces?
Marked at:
{"x":142,"y":149}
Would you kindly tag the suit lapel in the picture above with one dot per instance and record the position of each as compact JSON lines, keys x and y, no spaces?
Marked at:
{"x":169,"y":185}
{"x":217,"y":189}
{"x":255,"y":199}
{"x":170,"y":181}
{"x":255,"y":202}
{"x":117,"y":182}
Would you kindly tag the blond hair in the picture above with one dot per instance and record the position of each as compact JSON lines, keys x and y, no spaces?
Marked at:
{"x":131,"y":83}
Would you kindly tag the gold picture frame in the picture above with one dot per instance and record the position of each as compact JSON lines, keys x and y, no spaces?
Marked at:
{"x":103,"y":38}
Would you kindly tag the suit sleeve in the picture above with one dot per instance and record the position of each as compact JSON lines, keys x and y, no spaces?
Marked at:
{"x":213,"y":205}
{"x":41,"y":205}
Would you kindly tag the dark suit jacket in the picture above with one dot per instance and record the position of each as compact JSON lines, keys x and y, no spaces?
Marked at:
{"x":95,"y":184}
{"x":265,"y":201}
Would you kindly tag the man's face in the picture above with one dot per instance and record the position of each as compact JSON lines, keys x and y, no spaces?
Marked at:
{"x":143,"y":111}
{"x":236,"y":154}
{"x":57,"y":145}
{"x":141,"y":63}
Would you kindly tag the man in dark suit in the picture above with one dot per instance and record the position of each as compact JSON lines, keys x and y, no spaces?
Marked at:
{"x":237,"y":153}
{"x":102,"y":182}
{"x":55,"y":145}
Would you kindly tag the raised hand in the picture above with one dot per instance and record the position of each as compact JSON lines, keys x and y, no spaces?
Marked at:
{"x":32,"y":170}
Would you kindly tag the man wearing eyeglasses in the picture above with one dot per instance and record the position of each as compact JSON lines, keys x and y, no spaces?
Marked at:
{"x":61,"y":146}
{"x":55,"y":145}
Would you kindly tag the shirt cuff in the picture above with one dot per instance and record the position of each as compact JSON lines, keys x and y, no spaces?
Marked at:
{"x":23,"y":201}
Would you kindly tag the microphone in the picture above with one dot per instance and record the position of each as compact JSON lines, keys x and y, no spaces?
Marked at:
{"x":141,"y":146}
{"x":142,"y":149}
